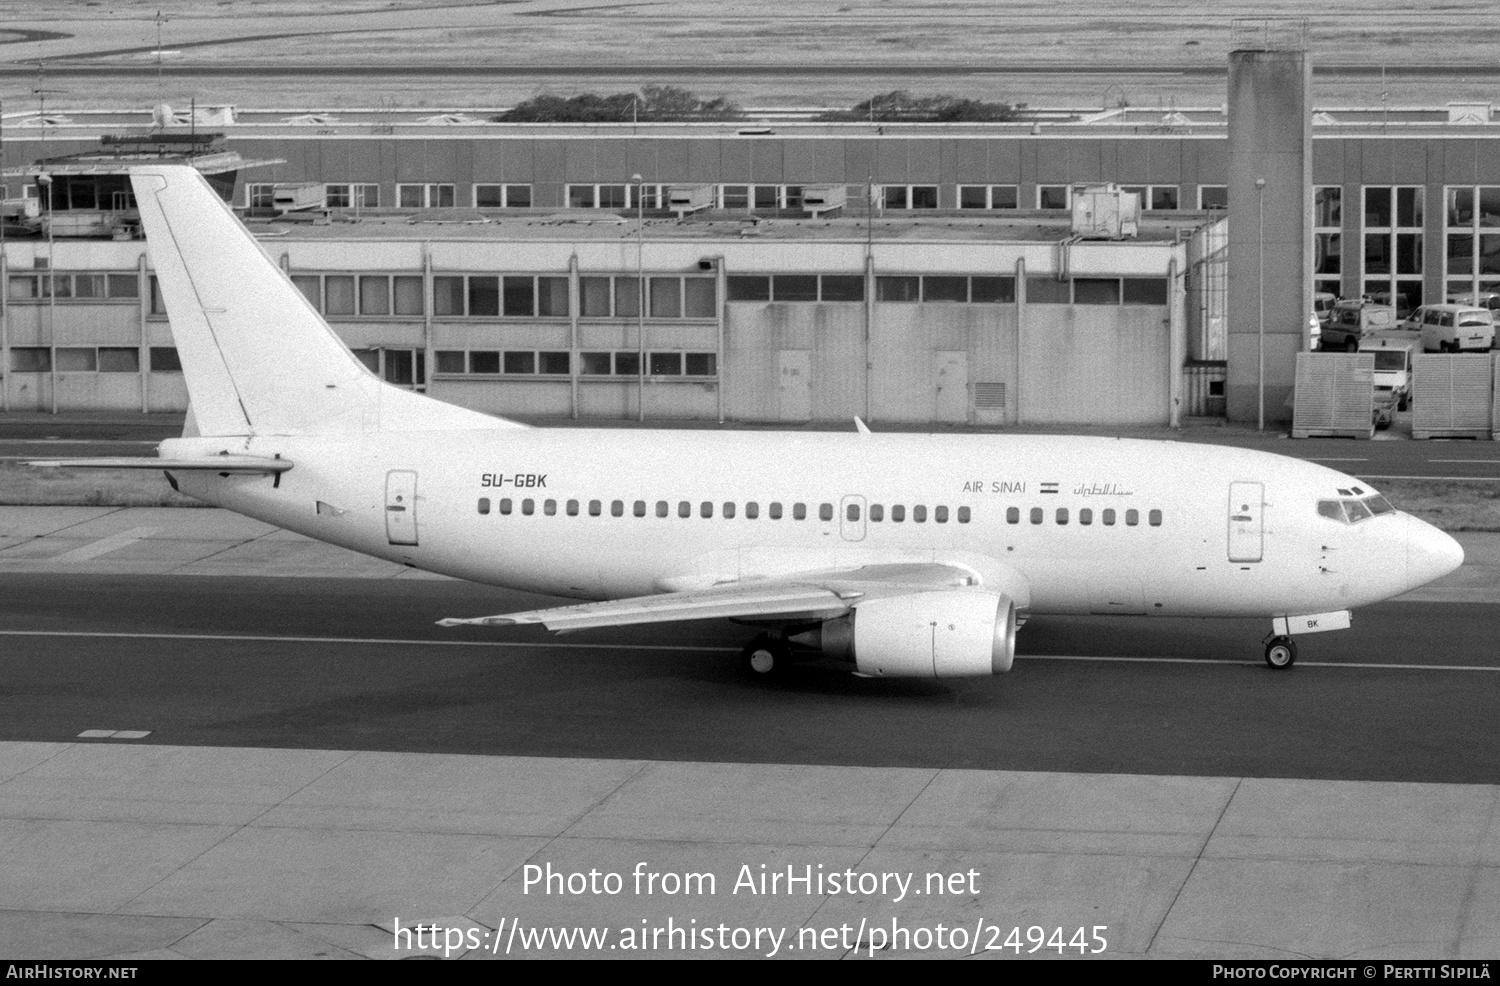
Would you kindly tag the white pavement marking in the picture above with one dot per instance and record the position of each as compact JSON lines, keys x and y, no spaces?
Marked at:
{"x":551,"y":645}
{"x":114,"y":734}
{"x":251,"y":638}
{"x":1485,"y":461}
{"x":104,"y":546}
{"x":1450,"y":479}
{"x":1315,"y":458}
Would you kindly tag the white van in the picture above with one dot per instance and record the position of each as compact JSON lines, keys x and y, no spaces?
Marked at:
{"x":1453,"y":328}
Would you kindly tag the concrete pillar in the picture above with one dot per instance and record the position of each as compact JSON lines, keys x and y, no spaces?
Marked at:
{"x":1270,"y":228}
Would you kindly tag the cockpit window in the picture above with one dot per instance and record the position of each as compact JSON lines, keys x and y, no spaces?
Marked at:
{"x":1353,"y":511}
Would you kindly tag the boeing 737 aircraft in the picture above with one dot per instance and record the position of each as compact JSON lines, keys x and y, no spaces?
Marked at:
{"x":914,"y":555}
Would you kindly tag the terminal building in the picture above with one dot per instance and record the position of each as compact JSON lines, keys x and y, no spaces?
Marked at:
{"x":786,"y":271}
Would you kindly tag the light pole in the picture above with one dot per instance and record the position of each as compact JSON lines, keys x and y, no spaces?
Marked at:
{"x":1260,"y":298}
{"x":45,"y":181}
{"x":640,"y":298}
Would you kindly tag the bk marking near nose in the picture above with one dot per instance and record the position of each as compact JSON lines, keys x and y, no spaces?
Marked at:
{"x":520,"y":480}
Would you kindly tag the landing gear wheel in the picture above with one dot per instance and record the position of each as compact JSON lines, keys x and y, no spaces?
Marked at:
{"x":765,"y":656}
{"x":1281,"y":653}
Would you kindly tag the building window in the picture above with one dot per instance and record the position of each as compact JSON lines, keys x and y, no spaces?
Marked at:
{"x":164,"y":359}
{"x":426,"y":196}
{"x":988,"y":196}
{"x":1156,"y":197}
{"x":670,"y":297}
{"x":1054,"y":196}
{"x":766,"y":198}
{"x":1392,"y":255}
{"x":502,"y":196}
{"x":1328,"y":250}
{"x":259,"y":195}
{"x":909,"y":196}
{"x":1213,"y":197}
{"x":65,"y":286}
{"x":1472,"y":261}
{"x":353,"y":196}
{"x":30,"y":359}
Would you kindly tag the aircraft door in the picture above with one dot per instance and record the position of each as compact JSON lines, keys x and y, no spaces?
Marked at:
{"x":1246,"y":528}
{"x":852,"y":518}
{"x":401,"y":506}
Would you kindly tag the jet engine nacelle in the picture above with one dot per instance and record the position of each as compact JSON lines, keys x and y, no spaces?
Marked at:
{"x":947,"y":634}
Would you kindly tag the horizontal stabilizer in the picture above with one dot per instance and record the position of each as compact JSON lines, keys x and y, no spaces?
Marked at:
{"x":255,"y":464}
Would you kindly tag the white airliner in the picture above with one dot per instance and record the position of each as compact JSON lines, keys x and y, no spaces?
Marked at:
{"x":906,"y":555}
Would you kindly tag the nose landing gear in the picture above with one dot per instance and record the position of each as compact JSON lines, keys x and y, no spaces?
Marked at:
{"x":1281,"y":652}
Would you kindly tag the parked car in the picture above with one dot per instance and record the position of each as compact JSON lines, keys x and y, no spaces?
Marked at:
{"x":1453,"y":328}
{"x":1351,"y":321}
{"x":1482,"y":299}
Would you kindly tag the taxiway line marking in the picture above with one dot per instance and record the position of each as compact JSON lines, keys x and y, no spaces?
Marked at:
{"x":265,"y":638}
{"x":554,"y":645}
{"x":1453,"y":479}
{"x":104,"y":546}
{"x":1319,"y":458}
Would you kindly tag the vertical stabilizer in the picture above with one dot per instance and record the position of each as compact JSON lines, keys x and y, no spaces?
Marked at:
{"x":257,"y":358}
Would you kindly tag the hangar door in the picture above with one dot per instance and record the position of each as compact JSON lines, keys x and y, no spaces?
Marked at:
{"x":1246,"y":530}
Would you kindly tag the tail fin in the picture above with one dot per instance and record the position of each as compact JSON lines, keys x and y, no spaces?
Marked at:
{"x":258,"y":359}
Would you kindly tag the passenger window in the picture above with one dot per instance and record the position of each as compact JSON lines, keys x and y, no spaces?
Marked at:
{"x":1085,"y":516}
{"x":1132,"y":518}
{"x":898,"y":513}
{"x":617,"y":508}
{"x":484,"y":504}
{"x":752,"y":510}
{"x":963,"y":515}
{"x":919,"y":515}
{"x":706,"y":509}
{"x":1109,"y":517}
{"x":799,"y":511}
{"x":1154,"y":518}
{"x":1036,"y":515}
{"x":825,"y":511}
{"x":595,"y":508}
{"x":640,"y":508}
{"x":573,"y":508}
{"x":505,"y":507}
{"x":684,"y":509}
{"x":550,"y":508}
{"x":775,"y":511}
{"x":1062,"y":515}
{"x":528,"y":507}
{"x":661,"y":508}
{"x":940,"y":514}
{"x":877,"y":512}
{"x":728,"y":510}
{"x":852,"y":513}
{"x":1012,"y":515}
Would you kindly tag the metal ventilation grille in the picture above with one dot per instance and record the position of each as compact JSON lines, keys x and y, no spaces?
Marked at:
{"x":989,"y":397}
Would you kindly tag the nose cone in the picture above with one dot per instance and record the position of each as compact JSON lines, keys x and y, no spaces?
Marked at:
{"x":1430,"y":554}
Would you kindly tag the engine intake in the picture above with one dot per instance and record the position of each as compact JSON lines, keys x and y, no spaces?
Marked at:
{"x":948,"y":634}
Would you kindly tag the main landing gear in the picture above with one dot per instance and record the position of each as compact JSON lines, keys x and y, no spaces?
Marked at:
{"x":1281,"y":652}
{"x":766,"y":655}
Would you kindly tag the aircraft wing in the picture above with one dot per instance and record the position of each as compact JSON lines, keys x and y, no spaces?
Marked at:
{"x":209,"y":463}
{"x":811,"y":596}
